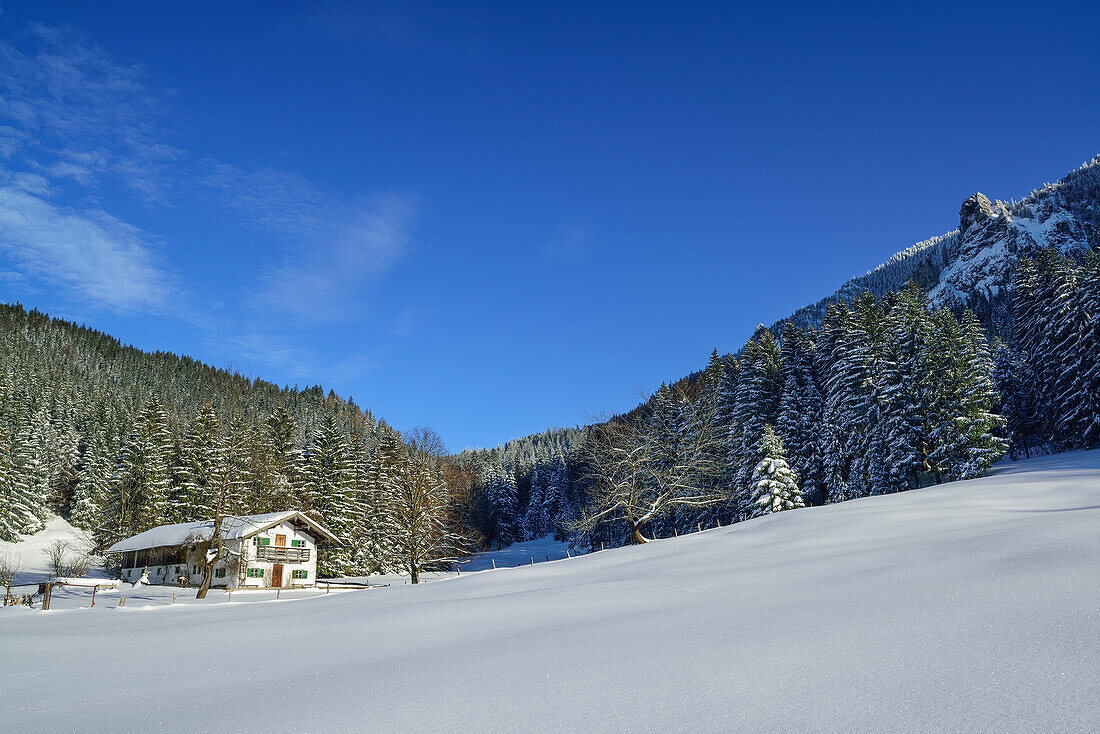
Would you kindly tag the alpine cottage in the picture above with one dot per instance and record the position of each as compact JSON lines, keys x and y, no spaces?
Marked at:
{"x":274,"y":550}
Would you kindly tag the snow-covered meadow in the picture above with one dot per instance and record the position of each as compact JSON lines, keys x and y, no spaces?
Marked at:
{"x":973,"y":606}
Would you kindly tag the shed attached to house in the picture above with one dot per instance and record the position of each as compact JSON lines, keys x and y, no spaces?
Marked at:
{"x":278,"y":549}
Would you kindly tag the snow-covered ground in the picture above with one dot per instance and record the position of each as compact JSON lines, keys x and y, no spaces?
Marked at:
{"x":518,"y":554}
{"x":31,"y":552}
{"x":967,"y":607}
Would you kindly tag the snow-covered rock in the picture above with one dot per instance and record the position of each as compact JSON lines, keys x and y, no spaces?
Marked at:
{"x":974,"y":266}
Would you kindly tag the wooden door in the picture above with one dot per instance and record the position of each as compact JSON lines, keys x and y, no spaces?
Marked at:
{"x":277,"y":575}
{"x":280,"y":540}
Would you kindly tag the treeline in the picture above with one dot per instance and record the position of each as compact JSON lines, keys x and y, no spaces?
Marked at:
{"x":1049,"y":374}
{"x":885,"y":395}
{"x":121,"y":440}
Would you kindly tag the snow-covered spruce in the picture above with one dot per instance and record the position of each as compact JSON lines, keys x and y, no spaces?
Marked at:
{"x":774,"y":483}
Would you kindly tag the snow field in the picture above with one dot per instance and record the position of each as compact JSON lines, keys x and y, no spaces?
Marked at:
{"x":965,"y":607}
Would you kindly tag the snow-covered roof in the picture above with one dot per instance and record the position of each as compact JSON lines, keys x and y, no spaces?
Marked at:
{"x":200,"y":531}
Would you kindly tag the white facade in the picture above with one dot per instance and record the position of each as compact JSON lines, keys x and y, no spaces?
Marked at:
{"x":278,"y":550}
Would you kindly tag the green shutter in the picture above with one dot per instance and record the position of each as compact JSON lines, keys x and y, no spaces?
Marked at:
{"x":265,"y":541}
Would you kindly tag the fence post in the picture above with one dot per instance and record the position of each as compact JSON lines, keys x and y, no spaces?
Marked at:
{"x":494,"y":563}
{"x":547,"y":559}
{"x":567,"y":554}
{"x":230,"y":594}
{"x":94,"y":590}
{"x":601,"y":545}
{"x":533,"y":560}
{"x":46,"y":597}
{"x":277,"y":592}
{"x":173,"y":597}
{"x":699,"y":526}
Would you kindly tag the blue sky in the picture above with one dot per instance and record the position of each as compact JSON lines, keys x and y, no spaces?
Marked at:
{"x":492,"y":218}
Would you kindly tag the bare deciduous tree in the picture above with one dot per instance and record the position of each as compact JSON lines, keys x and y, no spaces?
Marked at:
{"x":11,"y":566}
{"x":420,"y":509}
{"x":642,"y":466}
{"x":64,"y":561}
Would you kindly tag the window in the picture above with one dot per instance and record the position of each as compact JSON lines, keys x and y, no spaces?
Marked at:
{"x":265,"y":541}
{"x":219,"y":573}
{"x":297,"y":543}
{"x":301,"y":574}
{"x":255,"y":573}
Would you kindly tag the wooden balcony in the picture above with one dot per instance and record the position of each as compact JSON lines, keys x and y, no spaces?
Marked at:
{"x":282,"y":554}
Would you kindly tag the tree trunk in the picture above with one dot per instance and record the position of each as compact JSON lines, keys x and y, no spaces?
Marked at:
{"x":414,"y":571}
{"x":636,"y":534}
{"x":207,"y":575}
{"x":208,"y":563}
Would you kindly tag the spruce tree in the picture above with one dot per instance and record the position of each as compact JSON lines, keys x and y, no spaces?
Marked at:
{"x":138,"y":495}
{"x":200,"y":463}
{"x":774,"y":484}
{"x":328,"y":490}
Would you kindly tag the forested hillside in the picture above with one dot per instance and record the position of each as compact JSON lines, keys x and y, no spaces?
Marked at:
{"x":929,"y":368}
{"x":121,"y":440}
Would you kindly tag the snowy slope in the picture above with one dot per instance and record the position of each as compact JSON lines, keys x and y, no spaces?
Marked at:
{"x":966,"y":607}
{"x":31,"y":551}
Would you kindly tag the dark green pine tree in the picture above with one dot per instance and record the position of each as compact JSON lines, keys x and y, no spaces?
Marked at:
{"x":899,"y":408}
{"x":361,"y":558}
{"x":501,"y":495}
{"x":92,"y":483}
{"x":976,"y":420}
{"x":1087,"y":375}
{"x":200,"y":464}
{"x":800,"y":411}
{"x":138,"y":495}
{"x":20,"y":506}
{"x":1041,"y":331}
{"x":757,"y":404}
{"x":285,"y":461}
{"x":328,"y":490}
{"x":847,"y":350}
{"x":381,"y":523}
{"x":959,"y":381}
{"x":1015,"y":383}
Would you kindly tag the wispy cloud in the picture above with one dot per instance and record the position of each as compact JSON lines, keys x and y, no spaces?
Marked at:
{"x":72,"y":115}
{"x":73,"y":110}
{"x":277,"y":351}
{"x":78,"y":125}
{"x":332,"y":247}
{"x":99,"y":258}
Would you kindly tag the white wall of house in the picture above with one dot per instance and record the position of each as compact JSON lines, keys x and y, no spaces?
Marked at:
{"x":249,"y":551}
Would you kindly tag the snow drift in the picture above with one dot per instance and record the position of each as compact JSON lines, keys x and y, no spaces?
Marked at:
{"x":969,"y":606}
